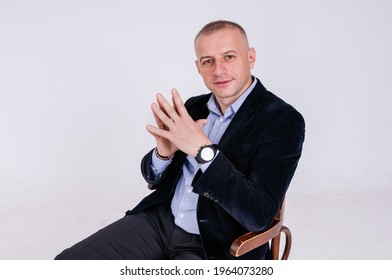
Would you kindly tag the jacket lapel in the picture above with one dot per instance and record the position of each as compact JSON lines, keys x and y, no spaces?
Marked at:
{"x":244,"y":116}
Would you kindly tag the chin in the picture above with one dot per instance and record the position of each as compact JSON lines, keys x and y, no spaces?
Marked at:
{"x":223,"y":92}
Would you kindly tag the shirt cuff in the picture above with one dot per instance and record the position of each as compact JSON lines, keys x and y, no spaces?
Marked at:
{"x":204,"y":166}
{"x":158,"y":165}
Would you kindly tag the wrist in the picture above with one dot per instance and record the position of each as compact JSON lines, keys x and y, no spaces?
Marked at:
{"x":161,"y":157}
{"x":197,"y":147}
{"x":206,"y":153}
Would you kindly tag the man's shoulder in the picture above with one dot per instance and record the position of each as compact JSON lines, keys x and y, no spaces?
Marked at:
{"x":263,"y":99}
{"x":197,"y":106}
{"x":198,"y":99}
{"x":266,"y":104}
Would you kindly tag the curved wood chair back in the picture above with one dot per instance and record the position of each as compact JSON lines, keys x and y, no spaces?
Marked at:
{"x":253,"y":240}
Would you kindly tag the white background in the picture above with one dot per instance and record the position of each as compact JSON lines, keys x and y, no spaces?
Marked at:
{"x":77,"y":79}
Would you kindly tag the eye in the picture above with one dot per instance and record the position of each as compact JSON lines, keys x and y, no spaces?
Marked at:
{"x":207,"y":61}
{"x":229,"y":57}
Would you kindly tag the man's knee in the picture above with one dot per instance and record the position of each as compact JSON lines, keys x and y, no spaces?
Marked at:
{"x":64,"y":255}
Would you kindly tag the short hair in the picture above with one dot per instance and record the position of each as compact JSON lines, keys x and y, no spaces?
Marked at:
{"x":217,"y":25}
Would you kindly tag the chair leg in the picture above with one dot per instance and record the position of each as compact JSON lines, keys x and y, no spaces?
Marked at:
{"x":275,"y":244}
{"x":287,"y":246}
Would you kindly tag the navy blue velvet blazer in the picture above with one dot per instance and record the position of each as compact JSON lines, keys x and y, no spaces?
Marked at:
{"x":244,"y":185}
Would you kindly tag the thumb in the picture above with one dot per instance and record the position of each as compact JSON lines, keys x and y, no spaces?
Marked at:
{"x":201,"y":122}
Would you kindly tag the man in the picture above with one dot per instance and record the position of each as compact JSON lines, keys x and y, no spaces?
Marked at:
{"x":221,"y":166}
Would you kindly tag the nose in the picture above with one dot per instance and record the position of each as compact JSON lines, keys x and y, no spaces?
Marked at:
{"x":220,"y":68}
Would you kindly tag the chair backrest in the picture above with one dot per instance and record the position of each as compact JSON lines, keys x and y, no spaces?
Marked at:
{"x":253,"y":240}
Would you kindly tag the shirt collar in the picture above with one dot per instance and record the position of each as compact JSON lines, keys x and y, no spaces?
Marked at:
{"x":213,"y":106}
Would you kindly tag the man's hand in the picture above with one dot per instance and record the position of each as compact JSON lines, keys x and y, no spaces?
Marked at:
{"x":176,"y":128}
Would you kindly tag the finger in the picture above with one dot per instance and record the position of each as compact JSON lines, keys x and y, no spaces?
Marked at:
{"x":175,"y":97}
{"x":201,"y":122}
{"x":174,"y":103}
{"x":159,"y":102}
{"x":179,"y":104}
{"x":156,"y":132}
{"x":166,"y":108}
{"x":159,"y":123}
{"x":161,"y":118}
{"x":151,"y":129}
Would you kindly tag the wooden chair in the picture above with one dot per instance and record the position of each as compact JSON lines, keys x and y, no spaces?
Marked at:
{"x":252,"y":240}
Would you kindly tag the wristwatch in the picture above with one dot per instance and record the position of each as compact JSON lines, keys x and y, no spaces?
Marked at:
{"x":206,"y":153}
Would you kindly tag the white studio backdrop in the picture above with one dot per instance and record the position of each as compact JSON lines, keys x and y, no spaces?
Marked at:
{"x":77,"y":79}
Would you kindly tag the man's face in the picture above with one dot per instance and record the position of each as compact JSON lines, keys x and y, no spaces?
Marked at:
{"x":224,"y":61}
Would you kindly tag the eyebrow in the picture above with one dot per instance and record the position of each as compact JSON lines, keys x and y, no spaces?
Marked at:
{"x":204,"y":58}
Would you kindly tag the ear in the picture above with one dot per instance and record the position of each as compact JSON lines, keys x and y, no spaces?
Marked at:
{"x":252,"y":57}
{"x":197,"y":65}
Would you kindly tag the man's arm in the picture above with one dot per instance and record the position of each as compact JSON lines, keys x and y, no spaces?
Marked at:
{"x":176,"y":129}
{"x":250,"y":180}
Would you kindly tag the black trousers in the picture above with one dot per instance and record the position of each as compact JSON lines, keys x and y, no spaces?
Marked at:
{"x":147,"y":235}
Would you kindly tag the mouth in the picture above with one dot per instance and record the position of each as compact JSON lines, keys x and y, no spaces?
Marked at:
{"x":222,"y":83}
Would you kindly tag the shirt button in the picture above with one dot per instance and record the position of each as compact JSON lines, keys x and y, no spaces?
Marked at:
{"x":189,"y":190}
{"x":181,"y":215}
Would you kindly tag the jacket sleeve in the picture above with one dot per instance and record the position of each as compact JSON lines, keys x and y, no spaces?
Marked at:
{"x":171,"y":173}
{"x":249,"y":179}
{"x":146,"y":169}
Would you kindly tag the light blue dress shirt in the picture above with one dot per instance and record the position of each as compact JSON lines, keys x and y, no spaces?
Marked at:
{"x":184,"y":202}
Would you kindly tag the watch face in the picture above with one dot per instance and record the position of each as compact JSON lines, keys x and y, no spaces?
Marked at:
{"x":207,"y":154}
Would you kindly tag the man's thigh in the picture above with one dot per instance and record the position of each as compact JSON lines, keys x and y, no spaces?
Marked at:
{"x":131,"y":237}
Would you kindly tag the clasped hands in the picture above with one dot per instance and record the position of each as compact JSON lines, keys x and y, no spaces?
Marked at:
{"x":176,"y":130}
